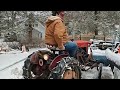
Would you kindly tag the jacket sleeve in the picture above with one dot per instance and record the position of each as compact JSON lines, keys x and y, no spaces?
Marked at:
{"x":58,"y":33}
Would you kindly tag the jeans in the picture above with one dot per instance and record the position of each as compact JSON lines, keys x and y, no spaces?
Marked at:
{"x":71,"y":47}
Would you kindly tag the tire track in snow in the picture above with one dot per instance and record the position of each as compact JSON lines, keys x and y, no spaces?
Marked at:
{"x":13,"y":64}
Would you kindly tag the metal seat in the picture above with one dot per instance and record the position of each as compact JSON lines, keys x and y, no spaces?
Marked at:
{"x":56,"y":50}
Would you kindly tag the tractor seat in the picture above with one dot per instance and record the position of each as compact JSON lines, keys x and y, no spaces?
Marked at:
{"x":55,"y":49}
{"x":51,"y":47}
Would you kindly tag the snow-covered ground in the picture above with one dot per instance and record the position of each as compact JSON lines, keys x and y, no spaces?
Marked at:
{"x":15,"y":70}
{"x":10,"y":58}
{"x":107,"y":73}
{"x":10,"y":67}
{"x":116,"y":73}
{"x":90,"y":74}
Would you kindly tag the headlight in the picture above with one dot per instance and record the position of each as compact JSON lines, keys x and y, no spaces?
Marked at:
{"x":45,"y":56}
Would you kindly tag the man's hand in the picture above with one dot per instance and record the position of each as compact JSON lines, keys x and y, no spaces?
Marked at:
{"x":63,"y":48}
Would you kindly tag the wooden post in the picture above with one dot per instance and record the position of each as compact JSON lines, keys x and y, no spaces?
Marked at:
{"x":23,"y":48}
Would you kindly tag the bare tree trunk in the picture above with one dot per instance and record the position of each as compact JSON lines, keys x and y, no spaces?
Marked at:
{"x":30,"y":34}
{"x":0,"y":22}
{"x":13,"y":19}
{"x":31,"y":21}
{"x":104,"y":37}
{"x":8,"y":21}
{"x":96,"y":18}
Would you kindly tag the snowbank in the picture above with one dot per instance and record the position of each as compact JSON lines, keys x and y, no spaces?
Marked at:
{"x":113,"y":56}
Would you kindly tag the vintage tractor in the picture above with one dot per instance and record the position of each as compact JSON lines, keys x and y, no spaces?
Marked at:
{"x":51,"y":64}
{"x":57,"y":64}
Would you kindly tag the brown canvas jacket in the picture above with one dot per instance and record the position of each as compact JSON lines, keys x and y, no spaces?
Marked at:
{"x":56,"y":33}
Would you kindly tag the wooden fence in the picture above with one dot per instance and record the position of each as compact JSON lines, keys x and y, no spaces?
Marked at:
{"x":88,"y":37}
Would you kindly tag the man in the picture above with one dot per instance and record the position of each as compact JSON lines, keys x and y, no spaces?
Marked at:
{"x":56,"y":33}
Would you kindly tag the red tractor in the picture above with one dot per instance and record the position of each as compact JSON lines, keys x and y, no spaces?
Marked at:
{"x":83,"y":44}
{"x":56,"y":64}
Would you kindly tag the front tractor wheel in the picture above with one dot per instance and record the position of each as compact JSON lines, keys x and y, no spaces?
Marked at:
{"x":74,"y":73}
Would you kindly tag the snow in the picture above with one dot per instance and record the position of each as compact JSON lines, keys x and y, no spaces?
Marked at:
{"x":8,"y":58}
{"x":15,"y":71}
{"x":11,"y":58}
{"x":107,"y":73}
{"x":90,"y":74}
{"x":116,"y":73}
{"x":1,"y":40}
{"x":98,"y":52}
{"x":113,"y":56}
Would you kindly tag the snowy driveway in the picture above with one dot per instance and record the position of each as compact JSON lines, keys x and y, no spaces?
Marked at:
{"x":11,"y":63}
{"x":11,"y":66}
{"x":13,"y":72}
{"x":11,"y":58}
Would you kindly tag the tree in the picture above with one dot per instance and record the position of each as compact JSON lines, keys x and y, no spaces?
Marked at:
{"x":95,"y":22}
{"x":96,"y":18}
{"x":30,"y":26}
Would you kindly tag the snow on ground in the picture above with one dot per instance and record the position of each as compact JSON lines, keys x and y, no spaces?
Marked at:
{"x":94,"y":73}
{"x":10,"y":58}
{"x":15,"y":71}
{"x":116,"y":73}
{"x":90,"y":74}
{"x":107,"y":73}
{"x":1,"y":40}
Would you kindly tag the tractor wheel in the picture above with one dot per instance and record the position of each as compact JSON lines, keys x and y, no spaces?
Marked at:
{"x":73,"y":73}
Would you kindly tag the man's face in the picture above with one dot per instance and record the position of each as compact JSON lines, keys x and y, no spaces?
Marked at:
{"x":62,"y":13}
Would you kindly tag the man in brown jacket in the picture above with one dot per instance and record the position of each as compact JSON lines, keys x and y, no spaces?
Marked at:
{"x":56,"y":33}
